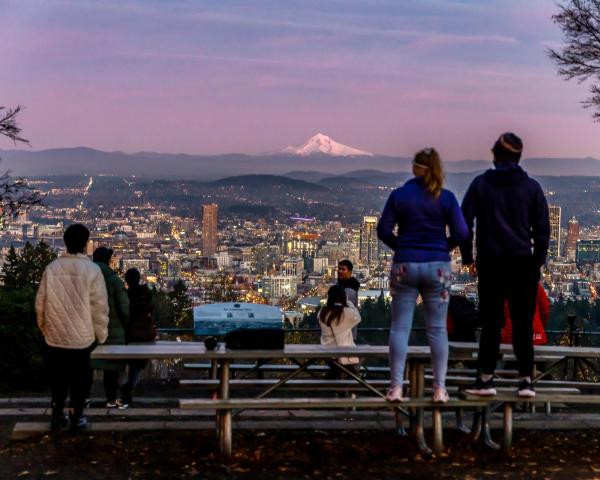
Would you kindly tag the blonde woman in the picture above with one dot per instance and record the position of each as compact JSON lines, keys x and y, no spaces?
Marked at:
{"x":422,"y":211}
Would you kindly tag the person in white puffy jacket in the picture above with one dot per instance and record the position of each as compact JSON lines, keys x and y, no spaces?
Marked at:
{"x":72,"y":313}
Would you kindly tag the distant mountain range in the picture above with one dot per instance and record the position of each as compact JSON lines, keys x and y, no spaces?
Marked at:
{"x":318,"y":158}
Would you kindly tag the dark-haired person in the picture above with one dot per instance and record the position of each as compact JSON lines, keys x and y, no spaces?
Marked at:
{"x":347,"y":281}
{"x":513,"y":233}
{"x":337,"y":319}
{"x":118,"y":316}
{"x":421,"y":211}
{"x":139,"y":329}
{"x":72,"y":312}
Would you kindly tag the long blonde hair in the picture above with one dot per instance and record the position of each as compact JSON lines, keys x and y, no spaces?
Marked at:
{"x":433,"y":178}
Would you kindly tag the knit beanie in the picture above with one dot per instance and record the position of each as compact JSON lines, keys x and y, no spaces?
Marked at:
{"x":508,"y":148}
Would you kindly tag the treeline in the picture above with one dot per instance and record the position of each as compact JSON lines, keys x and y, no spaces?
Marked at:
{"x":21,"y":353}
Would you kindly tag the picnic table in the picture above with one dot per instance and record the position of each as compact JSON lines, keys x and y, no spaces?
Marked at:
{"x":305,"y":356}
{"x":301,"y":354}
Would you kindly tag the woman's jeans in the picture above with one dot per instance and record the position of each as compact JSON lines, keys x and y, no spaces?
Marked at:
{"x":407,"y":281}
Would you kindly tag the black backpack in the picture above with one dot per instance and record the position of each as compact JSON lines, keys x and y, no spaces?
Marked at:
{"x":255,"y":339}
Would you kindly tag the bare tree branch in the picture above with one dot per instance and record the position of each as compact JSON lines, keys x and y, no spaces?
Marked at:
{"x":579,"y":58}
{"x":8,"y":124}
{"x":15,"y":194}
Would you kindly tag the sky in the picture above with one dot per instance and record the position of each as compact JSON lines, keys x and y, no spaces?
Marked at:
{"x":222,"y":76}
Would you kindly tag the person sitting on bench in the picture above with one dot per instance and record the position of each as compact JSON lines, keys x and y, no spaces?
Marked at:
{"x":336,"y":319}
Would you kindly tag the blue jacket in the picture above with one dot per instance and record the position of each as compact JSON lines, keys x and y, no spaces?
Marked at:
{"x":421,"y":220}
{"x":512,"y":216}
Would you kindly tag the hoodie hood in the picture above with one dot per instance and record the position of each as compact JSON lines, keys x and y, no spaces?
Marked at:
{"x":505,"y":177}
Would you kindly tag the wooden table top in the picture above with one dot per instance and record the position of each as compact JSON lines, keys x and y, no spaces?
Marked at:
{"x":198,"y":350}
{"x":539,"y":350}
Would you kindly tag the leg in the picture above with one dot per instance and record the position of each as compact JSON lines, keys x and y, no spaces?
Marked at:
{"x":79,"y":385}
{"x":522,"y":296}
{"x":404,"y":296}
{"x":111,"y":382}
{"x":58,"y":376}
{"x":492,"y":295}
{"x":434,"y":290}
{"x":58,"y":381}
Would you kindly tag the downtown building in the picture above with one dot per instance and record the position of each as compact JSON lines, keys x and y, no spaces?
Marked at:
{"x":209,"y":229}
{"x":555,"y":230}
{"x":369,"y":243}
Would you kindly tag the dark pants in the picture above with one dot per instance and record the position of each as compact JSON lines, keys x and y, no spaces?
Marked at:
{"x":68,"y":372}
{"x":111,"y":384}
{"x":512,"y":279}
{"x":135,"y":369}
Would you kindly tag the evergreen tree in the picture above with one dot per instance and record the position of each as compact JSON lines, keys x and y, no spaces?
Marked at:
{"x":24,"y":270}
{"x":10,"y":269}
{"x":181,"y":305}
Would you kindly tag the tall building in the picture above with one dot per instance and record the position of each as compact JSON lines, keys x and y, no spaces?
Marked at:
{"x":369,"y":244}
{"x":555,"y":212}
{"x":572,"y":237}
{"x":209,"y":229}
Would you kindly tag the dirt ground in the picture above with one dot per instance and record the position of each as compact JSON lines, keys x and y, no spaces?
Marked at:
{"x":295,"y":455}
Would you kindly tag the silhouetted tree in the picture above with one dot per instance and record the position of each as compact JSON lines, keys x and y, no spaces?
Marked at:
{"x":15,"y":194}
{"x":579,"y":58}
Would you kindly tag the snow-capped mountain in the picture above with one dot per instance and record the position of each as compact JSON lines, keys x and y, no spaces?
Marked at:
{"x":323,"y":144}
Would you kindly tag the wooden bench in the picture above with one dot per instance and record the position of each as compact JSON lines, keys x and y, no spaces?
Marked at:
{"x":328,"y":403}
{"x":507,"y":400}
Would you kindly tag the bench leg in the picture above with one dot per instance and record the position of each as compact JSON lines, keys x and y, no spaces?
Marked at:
{"x":412,"y":373}
{"x":225,"y":433}
{"x":476,"y":427}
{"x":508,"y":427}
{"x":438,"y":431}
{"x":460,"y":424}
{"x":214,"y":369}
{"x":420,"y":418}
{"x":487,"y":435}
{"x":548,"y":408}
{"x":400,"y":430}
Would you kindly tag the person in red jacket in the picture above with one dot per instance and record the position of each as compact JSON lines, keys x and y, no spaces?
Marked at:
{"x":540,"y":319}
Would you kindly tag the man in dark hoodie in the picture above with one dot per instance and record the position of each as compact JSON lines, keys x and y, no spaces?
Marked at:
{"x":512,"y":236}
{"x":347,"y":281}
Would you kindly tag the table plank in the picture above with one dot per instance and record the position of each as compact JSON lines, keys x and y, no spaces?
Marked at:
{"x":539,"y":350}
{"x":197,"y":350}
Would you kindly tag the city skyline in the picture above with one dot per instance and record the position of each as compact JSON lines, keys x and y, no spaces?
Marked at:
{"x":385,"y":77}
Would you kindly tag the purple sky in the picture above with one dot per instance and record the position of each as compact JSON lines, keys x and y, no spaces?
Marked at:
{"x":219,"y":76}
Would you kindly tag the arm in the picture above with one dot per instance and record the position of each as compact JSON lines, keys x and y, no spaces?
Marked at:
{"x":121,"y":301}
{"x":468,"y":209}
{"x":540,"y":228}
{"x":459,"y":232}
{"x":351,"y":316}
{"x":387,"y":222}
{"x":40,"y":303}
{"x":99,"y":306}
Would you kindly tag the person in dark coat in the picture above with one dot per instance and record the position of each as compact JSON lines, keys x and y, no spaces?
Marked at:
{"x":118,"y":319}
{"x":139,"y":329}
{"x":512,"y":236}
